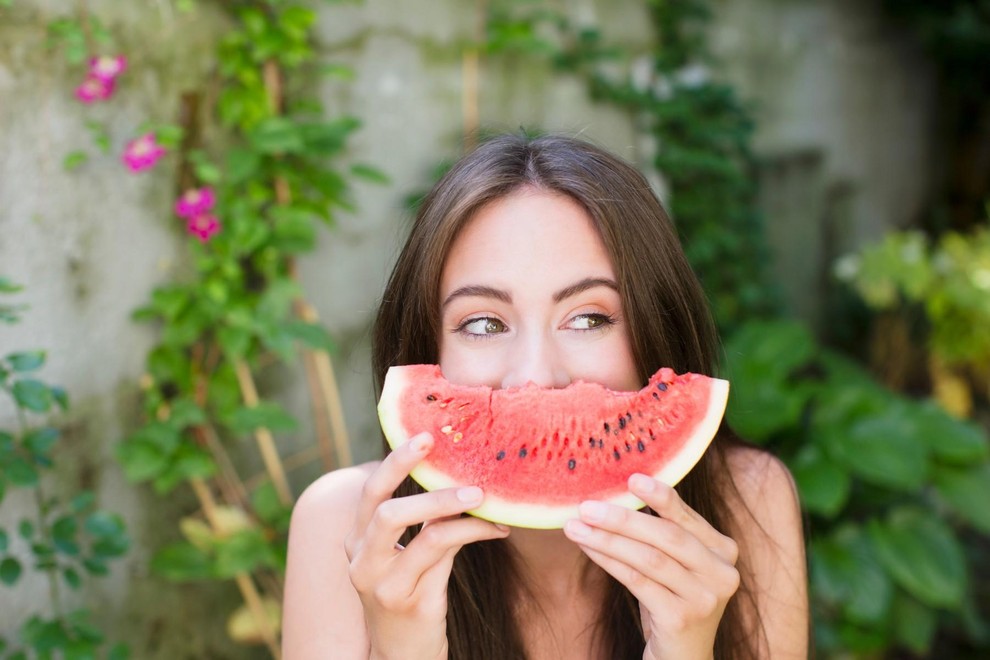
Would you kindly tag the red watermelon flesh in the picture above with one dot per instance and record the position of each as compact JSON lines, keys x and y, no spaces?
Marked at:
{"x":537,"y":452}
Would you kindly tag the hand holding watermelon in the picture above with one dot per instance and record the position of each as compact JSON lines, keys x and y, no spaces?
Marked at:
{"x":404,"y":589}
{"x":677,"y":565}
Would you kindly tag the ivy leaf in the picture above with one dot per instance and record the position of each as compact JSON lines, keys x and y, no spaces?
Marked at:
{"x":182,"y":562}
{"x":967,"y":491}
{"x":266,"y":414}
{"x":10,"y":571}
{"x":32,"y":395}
{"x":923,"y":555}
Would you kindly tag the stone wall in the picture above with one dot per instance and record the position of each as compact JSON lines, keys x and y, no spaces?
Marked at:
{"x":843,"y":105}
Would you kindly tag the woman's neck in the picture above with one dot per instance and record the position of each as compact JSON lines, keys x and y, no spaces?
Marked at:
{"x":552,"y":567}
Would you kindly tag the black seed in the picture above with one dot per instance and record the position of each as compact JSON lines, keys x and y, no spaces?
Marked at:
{"x":522,"y":453}
{"x":591,"y":442}
{"x":499,"y":456}
{"x":431,"y":397}
{"x":662,"y":387}
{"x":628,"y":417}
{"x":628,"y":448}
{"x":571,"y":464}
{"x":615,"y":452}
{"x":640,"y":446}
{"x":656,"y":396}
{"x":622,"y":422}
{"x":607,"y":427}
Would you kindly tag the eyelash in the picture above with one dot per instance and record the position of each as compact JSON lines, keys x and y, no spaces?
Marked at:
{"x":607,"y":320}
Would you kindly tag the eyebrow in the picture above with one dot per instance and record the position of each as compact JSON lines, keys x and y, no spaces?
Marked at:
{"x":477,"y":290}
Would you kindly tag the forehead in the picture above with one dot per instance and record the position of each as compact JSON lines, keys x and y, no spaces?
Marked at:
{"x":531,"y":235}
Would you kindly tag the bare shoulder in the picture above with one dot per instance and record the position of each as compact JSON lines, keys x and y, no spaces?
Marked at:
{"x":335,"y":494}
{"x":321,"y":609}
{"x":768,"y":526}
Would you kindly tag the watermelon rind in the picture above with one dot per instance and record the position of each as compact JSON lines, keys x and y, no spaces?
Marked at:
{"x":541,"y":516}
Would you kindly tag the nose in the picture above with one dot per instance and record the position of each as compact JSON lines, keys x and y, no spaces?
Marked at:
{"x":537,"y":360}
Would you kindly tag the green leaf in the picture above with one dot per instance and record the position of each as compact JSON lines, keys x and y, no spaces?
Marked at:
{"x":74,"y":160}
{"x":824,"y":486}
{"x":846,"y":573}
{"x":313,"y":335}
{"x":967,"y":492}
{"x":119,"y":651}
{"x":914,"y":624}
{"x":369,"y":173}
{"x":26,"y":361}
{"x":269,"y":508}
{"x":6,"y":286}
{"x":952,"y":440}
{"x":242,"y":164}
{"x":923,"y":556}
{"x":276,"y":135}
{"x":61,"y":397}
{"x":26,"y":529}
{"x":243,"y":552}
{"x":182,"y":562}
{"x":82,"y":501}
{"x":185,"y":413}
{"x":4,"y":540}
{"x":294,"y":230}
{"x":266,"y":414}
{"x":40,"y":441}
{"x":20,"y":472}
{"x":72,"y":577}
{"x":883,"y":450}
{"x":10,"y":571}
{"x":32,"y":395}
{"x":235,"y":342}
{"x":64,"y":535}
{"x":141,"y":460}
{"x":189,"y":461}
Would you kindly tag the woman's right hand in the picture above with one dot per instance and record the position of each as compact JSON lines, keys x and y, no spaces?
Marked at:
{"x":404,"y":589}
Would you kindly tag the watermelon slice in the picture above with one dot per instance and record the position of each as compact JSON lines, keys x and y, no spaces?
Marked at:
{"x":536,"y":452}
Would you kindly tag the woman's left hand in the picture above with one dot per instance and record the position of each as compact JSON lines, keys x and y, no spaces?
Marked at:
{"x":677,"y":565}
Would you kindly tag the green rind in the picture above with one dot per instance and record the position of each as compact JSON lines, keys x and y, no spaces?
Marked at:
{"x":540,"y":516}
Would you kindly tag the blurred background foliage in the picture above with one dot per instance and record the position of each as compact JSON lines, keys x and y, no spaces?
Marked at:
{"x":882,"y":414}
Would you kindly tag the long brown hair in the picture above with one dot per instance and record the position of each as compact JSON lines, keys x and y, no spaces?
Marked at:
{"x":669,"y":324}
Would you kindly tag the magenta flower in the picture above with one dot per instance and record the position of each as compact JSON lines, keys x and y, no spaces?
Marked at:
{"x":142,"y":153}
{"x":203,"y":226}
{"x":94,"y":89}
{"x":106,"y":68}
{"x":195,"y":201}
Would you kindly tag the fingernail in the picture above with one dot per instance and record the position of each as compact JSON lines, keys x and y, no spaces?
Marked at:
{"x":577,"y":529}
{"x":469,"y":494}
{"x":593,"y":511}
{"x":501,"y":527}
{"x":419,"y":443}
{"x":642,"y":483}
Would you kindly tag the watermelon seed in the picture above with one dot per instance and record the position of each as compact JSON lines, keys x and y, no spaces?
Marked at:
{"x":640,"y":446}
{"x":522,"y":453}
{"x":458,"y":436}
{"x":662,"y":387}
{"x":656,"y":396}
{"x":628,"y":448}
{"x":463,"y":406}
{"x":499,"y":456}
{"x":431,"y":397}
{"x":622,"y":422}
{"x":447,"y":429}
{"x":571,"y":464}
{"x":628,"y":417}
{"x":607,"y":428}
{"x":615,"y":452}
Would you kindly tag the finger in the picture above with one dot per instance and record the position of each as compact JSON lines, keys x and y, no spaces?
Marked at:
{"x":651,"y":532}
{"x":382,"y":483}
{"x":393,"y":516}
{"x":665,"y":501}
{"x":653,"y":595}
{"x":423,"y":563}
{"x":642,"y":560}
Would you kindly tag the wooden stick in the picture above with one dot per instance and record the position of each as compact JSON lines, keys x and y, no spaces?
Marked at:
{"x":266,"y":443}
{"x":244,"y":582}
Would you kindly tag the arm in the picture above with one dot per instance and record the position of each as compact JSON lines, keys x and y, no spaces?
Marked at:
{"x":772,"y":546}
{"x":321,"y":609}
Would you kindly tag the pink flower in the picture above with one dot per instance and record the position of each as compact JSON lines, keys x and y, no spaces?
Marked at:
{"x":142,"y":153}
{"x":195,"y":201}
{"x":106,"y":68}
{"x":203,"y":226}
{"x":94,"y":89}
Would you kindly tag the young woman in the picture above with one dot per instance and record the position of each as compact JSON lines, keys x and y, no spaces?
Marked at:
{"x":550,"y":261}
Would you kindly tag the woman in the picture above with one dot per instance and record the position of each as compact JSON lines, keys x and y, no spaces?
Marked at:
{"x":547,"y":261}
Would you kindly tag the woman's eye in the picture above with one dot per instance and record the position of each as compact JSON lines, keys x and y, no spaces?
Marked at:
{"x":483,"y":326}
{"x":590,"y":321}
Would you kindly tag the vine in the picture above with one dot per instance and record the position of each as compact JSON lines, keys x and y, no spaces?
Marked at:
{"x":67,"y":540}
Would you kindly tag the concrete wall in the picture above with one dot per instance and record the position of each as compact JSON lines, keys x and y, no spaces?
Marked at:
{"x":842,"y":107}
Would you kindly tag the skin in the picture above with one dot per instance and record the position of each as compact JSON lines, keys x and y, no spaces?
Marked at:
{"x":529,"y":296}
